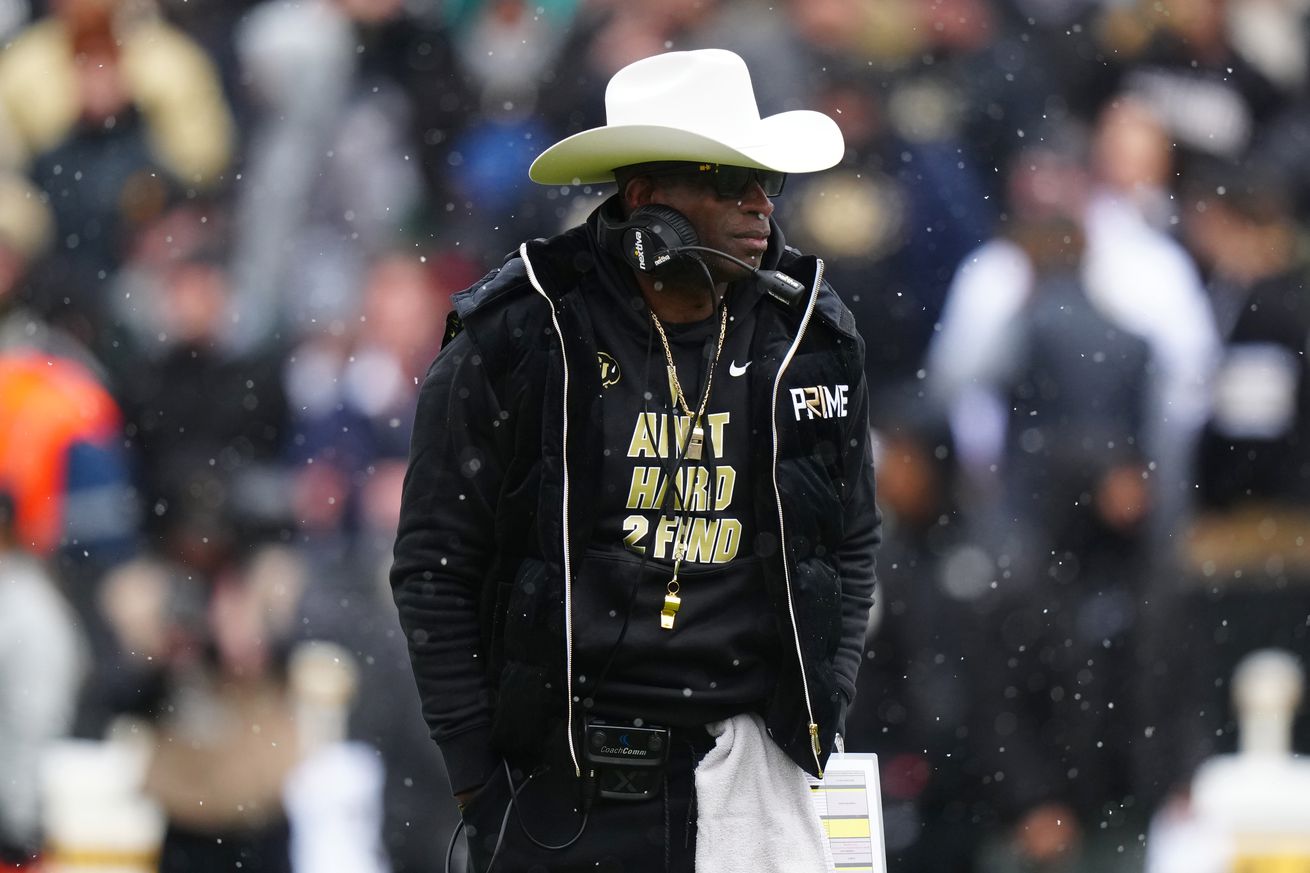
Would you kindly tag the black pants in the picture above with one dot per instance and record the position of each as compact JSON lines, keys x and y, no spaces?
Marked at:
{"x":657,"y":835}
{"x":267,"y":850}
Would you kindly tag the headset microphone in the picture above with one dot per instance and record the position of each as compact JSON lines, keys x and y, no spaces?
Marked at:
{"x":779,"y":284}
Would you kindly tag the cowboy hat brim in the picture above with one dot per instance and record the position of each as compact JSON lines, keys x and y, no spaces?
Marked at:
{"x":800,"y":141}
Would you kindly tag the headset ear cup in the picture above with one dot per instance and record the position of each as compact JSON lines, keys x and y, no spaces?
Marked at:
{"x":645,"y":238}
{"x":610,"y":229}
{"x":668,"y":225}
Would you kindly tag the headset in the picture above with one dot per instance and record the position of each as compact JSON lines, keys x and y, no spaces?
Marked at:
{"x":656,"y":235}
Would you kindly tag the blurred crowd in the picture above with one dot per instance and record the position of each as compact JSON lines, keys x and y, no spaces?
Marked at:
{"x":1073,"y":233}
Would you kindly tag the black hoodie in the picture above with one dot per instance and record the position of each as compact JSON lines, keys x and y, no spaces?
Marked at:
{"x":502,"y":506}
{"x":720,"y":656}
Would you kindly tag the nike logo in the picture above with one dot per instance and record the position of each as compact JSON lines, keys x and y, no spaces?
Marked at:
{"x":734,"y":370}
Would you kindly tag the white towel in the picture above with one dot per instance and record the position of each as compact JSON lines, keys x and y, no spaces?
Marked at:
{"x":333,"y":800}
{"x":754,"y":810}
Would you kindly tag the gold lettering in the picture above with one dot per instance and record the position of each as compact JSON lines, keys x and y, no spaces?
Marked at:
{"x":696,"y":488}
{"x":717,"y":422}
{"x":665,"y":534}
{"x":643,"y":437}
{"x":728,"y":541}
{"x":700,"y":540}
{"x":814,"y":401}
{"x":650,"y":435}
{"x":636,"y":527}
{"x":691,"y":489}
{"x":727,"y":483}
{"x":645,"y":492}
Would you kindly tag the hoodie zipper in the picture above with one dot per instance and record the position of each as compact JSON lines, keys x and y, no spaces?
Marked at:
{"x":568,"y":564}
{"x":565,"y":520}
{"x":782,"y":526}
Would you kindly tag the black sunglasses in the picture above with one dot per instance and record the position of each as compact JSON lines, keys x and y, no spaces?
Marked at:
{"x":728,"y":180}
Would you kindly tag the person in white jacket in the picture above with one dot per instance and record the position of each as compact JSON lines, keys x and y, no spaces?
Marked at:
{"x":1137,"y":275}
{"x":41,"y":668}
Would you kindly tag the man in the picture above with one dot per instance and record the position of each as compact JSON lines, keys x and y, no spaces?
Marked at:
{"x":635,"y":555}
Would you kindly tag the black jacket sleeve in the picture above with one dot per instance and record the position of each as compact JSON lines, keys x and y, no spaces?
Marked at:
{"x":444,"y":546}
{"x":856,"y":554}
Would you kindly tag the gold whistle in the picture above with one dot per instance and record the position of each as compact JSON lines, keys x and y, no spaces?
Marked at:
{"x":696,"y":443}
{"x":671,"y":604}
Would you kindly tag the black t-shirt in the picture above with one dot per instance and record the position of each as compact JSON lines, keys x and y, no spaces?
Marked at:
{"x":720,"y":655}
{"x":1254,"y":447}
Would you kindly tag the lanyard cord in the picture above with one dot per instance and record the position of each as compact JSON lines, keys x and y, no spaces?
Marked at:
{"x":669,"y":470}
{"x":694,"y":441}
{"x":673,"y":368}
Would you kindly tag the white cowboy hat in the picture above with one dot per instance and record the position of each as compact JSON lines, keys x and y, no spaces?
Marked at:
{"x":689,"y":106}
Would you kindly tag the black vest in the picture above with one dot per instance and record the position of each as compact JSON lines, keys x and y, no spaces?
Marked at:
{"x":528,"y":340}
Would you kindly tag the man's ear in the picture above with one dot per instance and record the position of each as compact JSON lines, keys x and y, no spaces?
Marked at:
{"x":640,"y":191}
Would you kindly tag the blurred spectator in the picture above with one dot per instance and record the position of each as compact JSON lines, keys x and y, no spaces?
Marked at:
{"x":209,"y":423}
{"x":1135,"y":275}
{"x":1131,"y":160}
{"x":88,"y":61}
{"x":209,"y":649}
{"x":211,"y":24}
{"x":968,"y":354}
{"x":510,"y":50}
{"x":354,"y":101}
{"x":916,"y":699}
{"x":604,"y":37}
{"x":113,"y":108}
{"x":354,"y":395}
{"x":62,"y":461}
{"x":42,"y":661}
{"x":1283,"y":148}
{"x":1241,"y":227}
{"x":1075,"y":504}
{"x":1181,"y":58}
{"x":900,"y":211}
{"x":61,"y":457}
{"x":350,"y":604}
{"x":1244,"y":558}
{"x":1007,"y":71}
{"x":1148,"y":284}
{"x":26,"y":234}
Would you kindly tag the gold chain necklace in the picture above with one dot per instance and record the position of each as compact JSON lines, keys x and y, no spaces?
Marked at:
{"x":696,"y":444}
{"x":694,"y":451}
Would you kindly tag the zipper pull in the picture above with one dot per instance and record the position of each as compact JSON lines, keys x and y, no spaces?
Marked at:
{"x":814,"y":744}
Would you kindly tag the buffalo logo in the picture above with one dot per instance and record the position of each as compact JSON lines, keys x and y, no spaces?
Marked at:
{"x":609,"y":369}
{"x":819,"y":401}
